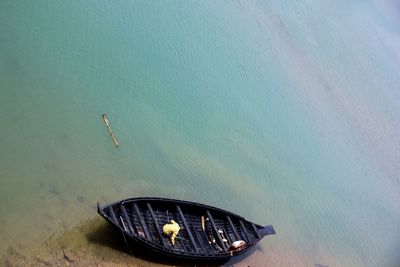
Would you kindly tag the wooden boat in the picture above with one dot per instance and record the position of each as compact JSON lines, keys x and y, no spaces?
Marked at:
{"x":206,"y":232}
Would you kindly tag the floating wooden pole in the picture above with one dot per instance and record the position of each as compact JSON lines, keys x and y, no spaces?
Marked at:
{"x":109,"y":129}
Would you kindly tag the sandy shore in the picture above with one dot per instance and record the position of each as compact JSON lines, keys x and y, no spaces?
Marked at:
{"x":92,"y":243}
{"x":96,"y":243}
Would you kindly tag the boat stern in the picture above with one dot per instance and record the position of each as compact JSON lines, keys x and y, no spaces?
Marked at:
{"x":267,"y":230}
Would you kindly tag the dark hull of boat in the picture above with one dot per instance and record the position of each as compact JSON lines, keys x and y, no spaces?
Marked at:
{"x":140,"y":221}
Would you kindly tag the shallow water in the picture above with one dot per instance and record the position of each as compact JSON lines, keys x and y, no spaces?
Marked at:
{"x":286,"y":113}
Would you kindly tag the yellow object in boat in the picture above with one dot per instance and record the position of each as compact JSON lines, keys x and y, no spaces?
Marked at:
{"x":171,"y":228}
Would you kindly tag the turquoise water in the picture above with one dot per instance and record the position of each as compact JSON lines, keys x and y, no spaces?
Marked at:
{"x":286,"y":113}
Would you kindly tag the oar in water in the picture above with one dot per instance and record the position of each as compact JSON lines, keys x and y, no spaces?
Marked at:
{"x":109,"y":129}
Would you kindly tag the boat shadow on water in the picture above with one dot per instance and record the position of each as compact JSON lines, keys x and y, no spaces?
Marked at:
{"x":105,"y":235}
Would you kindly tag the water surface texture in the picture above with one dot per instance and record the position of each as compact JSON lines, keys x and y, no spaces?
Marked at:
{"x":287,"y":113}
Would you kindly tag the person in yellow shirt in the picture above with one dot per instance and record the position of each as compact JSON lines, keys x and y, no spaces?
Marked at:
{"x":171,"y":228}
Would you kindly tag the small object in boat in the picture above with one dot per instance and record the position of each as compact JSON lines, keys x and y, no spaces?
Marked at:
{"x":123,"y":224}
{"x":171,"y":228}
{"x":212,"y":239}
{"x":238,"y":246}
{"x":109,"y":129}
{"x":203,"y":224}
{"x":221,"y":232}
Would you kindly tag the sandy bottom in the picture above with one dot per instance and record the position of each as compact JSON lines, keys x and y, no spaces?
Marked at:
{"x":92,"y":243}
{"x":96,"y":243}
